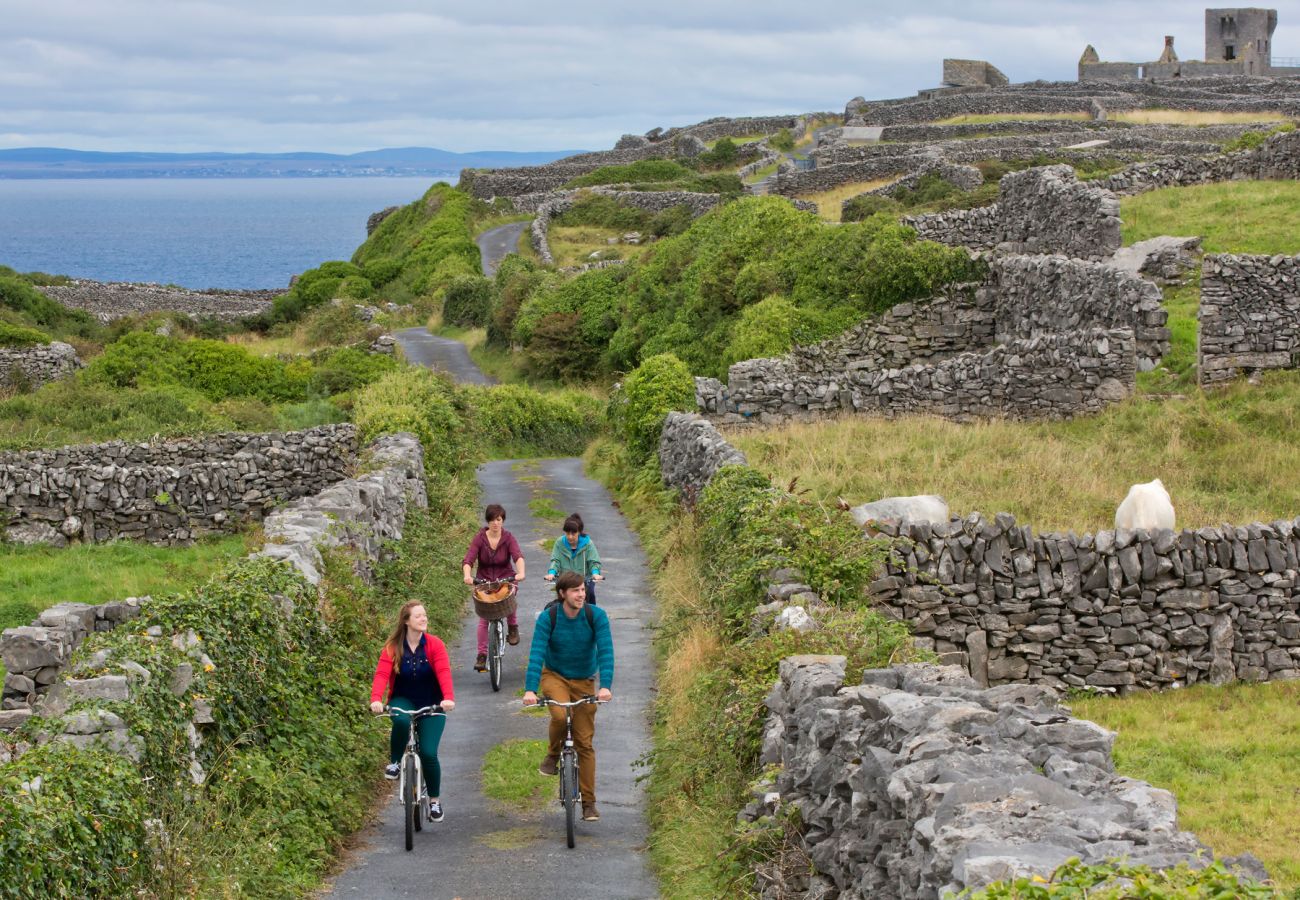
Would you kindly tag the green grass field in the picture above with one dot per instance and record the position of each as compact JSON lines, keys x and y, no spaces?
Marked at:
{"x":1233,"y":217}
{"x":1231,"y":755}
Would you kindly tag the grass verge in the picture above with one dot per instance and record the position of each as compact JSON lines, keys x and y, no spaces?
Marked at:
{"x":1232,"y":217}
{"x":1231,"y":755}
{"x":510,"y":775}
{"x":1220,"y":454}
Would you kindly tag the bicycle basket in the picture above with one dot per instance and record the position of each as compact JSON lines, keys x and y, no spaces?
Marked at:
{"x":496,"y":603}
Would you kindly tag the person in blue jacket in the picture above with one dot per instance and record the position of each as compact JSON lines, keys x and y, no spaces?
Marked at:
{"x":574,"y":551}
{"x":571,"y":645}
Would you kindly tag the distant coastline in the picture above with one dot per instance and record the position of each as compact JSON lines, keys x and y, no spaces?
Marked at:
{"x":397,"y":162}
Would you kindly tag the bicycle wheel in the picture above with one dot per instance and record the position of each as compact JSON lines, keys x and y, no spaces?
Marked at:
{"x":569,"y":794}
{"x":494,"y":652}
{"x":410,"y":797}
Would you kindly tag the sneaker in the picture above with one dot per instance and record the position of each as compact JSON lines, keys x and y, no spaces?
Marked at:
{"x":512,"y":635}
{"x":480,"y":663}
{"x":435,"y":811}
{"x":589,"y":813}
{"x":550,"y":766}
{"x":390,"y":771}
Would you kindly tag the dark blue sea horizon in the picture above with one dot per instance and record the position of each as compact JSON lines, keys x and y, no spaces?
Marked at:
{"x":194,"y":232}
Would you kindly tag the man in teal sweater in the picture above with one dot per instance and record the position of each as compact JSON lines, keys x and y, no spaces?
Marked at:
{"x":571,"y":643}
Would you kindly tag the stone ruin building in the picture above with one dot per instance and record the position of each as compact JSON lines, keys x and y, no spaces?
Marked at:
{"x":1238,"y":41}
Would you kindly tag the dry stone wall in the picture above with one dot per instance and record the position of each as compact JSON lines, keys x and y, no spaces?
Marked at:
{"x":1116,"y":610}
{"x":557,"y":202}
{"x":1249,"y":315}
{"x":691,"y":451}
{"x":1041,"y":210}
{"x":31,"y":367}
{"x":166,"y":492}
{"x":114,"y":300}
{"x":912,"y":781}
{"x":1278,"y":158}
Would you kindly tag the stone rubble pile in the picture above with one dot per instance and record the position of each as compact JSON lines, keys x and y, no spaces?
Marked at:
{"x":31,"y":367}
{"x":916,"y":783}
{"x":165,"y":492}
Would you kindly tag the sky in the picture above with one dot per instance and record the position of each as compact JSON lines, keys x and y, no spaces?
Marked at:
{"x":343,"y":76}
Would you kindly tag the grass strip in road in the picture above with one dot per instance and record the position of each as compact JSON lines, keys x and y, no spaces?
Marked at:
{"x":511,"y":838}
{"x":510,"y":775}
{"x":1231,"y":755}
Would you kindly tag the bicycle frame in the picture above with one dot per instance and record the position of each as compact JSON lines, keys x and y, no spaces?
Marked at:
{"x":411,"y":759}
{"x":568,"y":762}
{"x":496,"y":637}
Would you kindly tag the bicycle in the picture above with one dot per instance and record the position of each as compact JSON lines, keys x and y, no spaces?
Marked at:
{"x":410,"y":772}
{"x":495,"y":610}
{"x":570,"y":792}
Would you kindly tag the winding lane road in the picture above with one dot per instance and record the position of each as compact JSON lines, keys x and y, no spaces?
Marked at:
{"x":496,"y":244}
{"x":483,"y":851}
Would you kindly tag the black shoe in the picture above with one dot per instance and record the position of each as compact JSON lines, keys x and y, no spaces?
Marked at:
{"x":435,"y":811}
{"x":512,"y":635}
{"x":390,"y":771}
{"x":480,"y":664}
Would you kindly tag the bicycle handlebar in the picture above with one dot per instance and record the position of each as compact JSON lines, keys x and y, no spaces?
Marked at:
{"x":435,"y":710}
{"x":547,"y":701}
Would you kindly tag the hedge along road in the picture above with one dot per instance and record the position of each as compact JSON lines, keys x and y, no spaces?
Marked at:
{"x":482,"y":850}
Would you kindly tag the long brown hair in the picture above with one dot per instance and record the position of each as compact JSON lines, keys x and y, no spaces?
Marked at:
{"x":394,"y":643}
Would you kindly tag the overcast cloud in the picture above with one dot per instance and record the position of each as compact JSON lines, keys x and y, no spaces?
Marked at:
{"x":328,"y":75}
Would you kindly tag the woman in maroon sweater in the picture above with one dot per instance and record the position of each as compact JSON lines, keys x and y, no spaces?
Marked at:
{"x":497,"y":555}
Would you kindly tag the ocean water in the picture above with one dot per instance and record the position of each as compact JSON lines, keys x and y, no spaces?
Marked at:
{"x":197,"y":233}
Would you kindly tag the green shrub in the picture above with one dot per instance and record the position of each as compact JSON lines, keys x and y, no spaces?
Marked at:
{"x":782,"y":140}
{"x":660,"y":385}
{"x":765,"y":329}
{"x":723,"y":155}
{"x":593,"y":299}
{"x":519,"y":421}
{"x":81,"y":833}
{"x":19,"y":295}
{"x":21,"y":336}
{"x":346,"y":369}
{"x":516,"y":279}
{"x":424,"y":403}
{"x":381,"y":270}
{"x":673,"y":220}
{"x":864,"y":206}
{"x":603,"y":211}
{"x":215,"y":369}
{"x":467,"y":301}
{"x":929,"y":188}
{"x":333,"y":325}
{"x":75,"y":411}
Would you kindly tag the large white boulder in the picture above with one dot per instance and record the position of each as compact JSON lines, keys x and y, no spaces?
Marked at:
{"x":1147,"y":506}
{"x":921,"y":508}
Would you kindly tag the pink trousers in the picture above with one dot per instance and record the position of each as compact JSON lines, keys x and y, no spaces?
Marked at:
{"x":512,"y":619}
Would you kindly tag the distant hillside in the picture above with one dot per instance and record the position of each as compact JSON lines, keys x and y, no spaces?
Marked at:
{"x":54,"y":162}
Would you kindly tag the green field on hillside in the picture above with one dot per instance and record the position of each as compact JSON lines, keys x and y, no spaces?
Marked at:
{"x":1231,"y":756}
{"x":1232,"y":217}
{"x":1220,"y":454}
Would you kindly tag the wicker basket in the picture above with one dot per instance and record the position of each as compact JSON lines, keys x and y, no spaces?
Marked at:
{"x":496,"y":604}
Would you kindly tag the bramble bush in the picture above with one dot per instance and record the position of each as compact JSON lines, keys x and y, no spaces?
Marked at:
{"x":660,"y":385}
{"x":1118,"y":881}
{"x":565,"y":325}
{"x":516,"y":279}
{"x":517,"y":421}
{"x":467,"y":301}
{"x":425,"y":403}
{"x":430,"y":240}
{"x":21,"y":336}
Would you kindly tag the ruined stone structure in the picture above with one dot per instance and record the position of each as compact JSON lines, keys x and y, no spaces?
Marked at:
{"x":913,"y":782}
{"x":30,"y":367}
{"x":1249,"y":315}
{"x":113,"y":300}
{"x":1041,"y":336}
{"x":1043,"y":210}
{"x":972,"y":73}
{"x":359,"y":513}
{"x":1238,"y":41}
{"x":167,"y":492}
{"x":1277,"y":158}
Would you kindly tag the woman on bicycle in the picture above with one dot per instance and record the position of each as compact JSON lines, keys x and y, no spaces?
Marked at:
{"x":575,"y":552}
{"x":414,"y":672}
{"x":497,"y":555}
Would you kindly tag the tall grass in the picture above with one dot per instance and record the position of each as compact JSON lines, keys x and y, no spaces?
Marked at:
{"x":987,"y":118}
{"x":1225,"y":456}
{"x":1231,"y":755}
{"x":1194,"y":117}
{"x":1232,"y":217}
{"x":830,"y":203}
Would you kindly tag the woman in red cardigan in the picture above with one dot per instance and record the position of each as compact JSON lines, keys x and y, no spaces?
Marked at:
{"x":414,"y":672}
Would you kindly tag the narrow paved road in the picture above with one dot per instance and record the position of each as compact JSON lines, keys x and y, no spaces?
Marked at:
{"x":483,"y":851}
{"x":445,"y":354}
{"x":496,"y":244}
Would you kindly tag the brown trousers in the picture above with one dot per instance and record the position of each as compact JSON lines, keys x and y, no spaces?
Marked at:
{"x":557,"y":687}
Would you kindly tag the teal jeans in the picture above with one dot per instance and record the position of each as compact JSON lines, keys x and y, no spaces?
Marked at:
{"x":428,"y":734}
